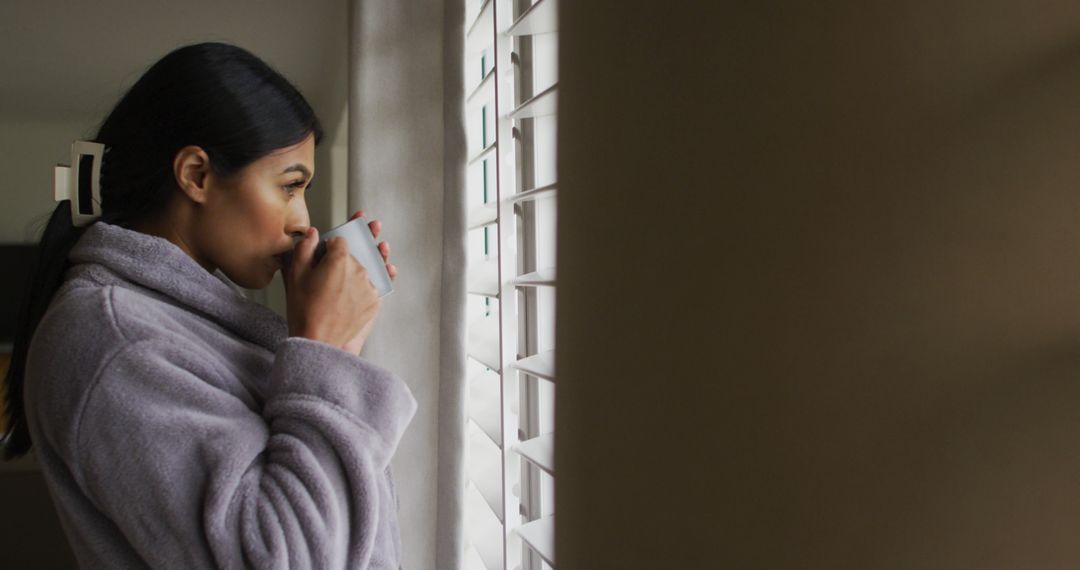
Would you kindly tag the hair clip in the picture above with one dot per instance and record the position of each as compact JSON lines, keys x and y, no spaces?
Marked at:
{"x":81,"y":182}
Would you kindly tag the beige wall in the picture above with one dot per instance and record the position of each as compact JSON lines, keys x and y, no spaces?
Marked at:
{"x":29,"y":151}
{"x":819,"y":298}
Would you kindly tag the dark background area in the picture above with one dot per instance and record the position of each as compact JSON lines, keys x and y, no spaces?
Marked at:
{"x":30,"y":533}
{"x":819,"y":285}
{"x":17,"y":261}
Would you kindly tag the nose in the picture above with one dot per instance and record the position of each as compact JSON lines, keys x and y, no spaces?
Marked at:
{"x":299,"y":221}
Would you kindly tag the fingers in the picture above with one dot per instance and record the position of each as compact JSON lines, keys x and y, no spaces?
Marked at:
{"x":375,"y":225}
{"x":384,"y":249}
{"x":341,"y":249}
{"x":337,"y":246}
{"x":304,"y":251}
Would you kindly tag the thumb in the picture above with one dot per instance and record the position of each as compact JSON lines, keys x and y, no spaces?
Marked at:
{"x":304,"y":251}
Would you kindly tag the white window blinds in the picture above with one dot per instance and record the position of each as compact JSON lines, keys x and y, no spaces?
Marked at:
{"x":511,"y":80}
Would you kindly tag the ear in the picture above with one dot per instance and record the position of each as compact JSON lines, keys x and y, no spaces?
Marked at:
{"x":191,"y":169}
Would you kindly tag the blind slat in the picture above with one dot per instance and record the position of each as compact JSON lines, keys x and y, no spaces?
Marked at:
{"x":483,"y":216}
{"x":484,"y":342}
{"x":540,"y":18}
{"x":540,"y":365}
{"x":540,"y":451}
{"x":484,"y":409}
{"x":484,"y":13}
{"x":533,"y":193}
{"x":484,"y":153}
{"x":484,"y":280}
{"x":472,"y":559}
{"x":483,"y":529}
{"x":540,"y":536}
{"x":540,"y":278}
{"x":544,"y":103}
{"x":485,"y":91}
{"x":485,"y":470}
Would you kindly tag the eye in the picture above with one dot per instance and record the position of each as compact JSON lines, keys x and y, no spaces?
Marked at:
{"x":292,"y":188}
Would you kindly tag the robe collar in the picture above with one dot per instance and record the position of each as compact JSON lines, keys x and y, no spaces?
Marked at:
{"x":110,"y":252}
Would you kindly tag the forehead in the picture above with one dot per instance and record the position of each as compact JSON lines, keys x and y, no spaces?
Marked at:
{"x":298,"y":158}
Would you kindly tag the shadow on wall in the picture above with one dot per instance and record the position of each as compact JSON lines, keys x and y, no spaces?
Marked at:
{"x":882,"y":369}
{"x":929,"y":384}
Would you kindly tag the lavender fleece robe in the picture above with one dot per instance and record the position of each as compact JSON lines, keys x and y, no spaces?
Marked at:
{"x":179,"y":426}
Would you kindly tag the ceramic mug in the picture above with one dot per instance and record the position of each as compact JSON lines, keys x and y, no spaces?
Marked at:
{"x":362,"y":246}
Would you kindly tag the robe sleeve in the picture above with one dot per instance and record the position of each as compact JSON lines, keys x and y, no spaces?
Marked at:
{"x":195,"y":478}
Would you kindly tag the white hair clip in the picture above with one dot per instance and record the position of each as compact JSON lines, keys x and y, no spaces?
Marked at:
{"x":81,"y":182}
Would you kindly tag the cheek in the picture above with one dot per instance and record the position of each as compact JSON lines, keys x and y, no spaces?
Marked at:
{"x":267,"y":222}
{"x":252,"y":221}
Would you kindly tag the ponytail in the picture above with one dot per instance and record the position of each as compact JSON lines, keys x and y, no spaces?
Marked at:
{"x":45,"y":278}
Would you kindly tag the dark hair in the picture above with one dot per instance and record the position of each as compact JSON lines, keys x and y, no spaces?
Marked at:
{"x":217,"y":96}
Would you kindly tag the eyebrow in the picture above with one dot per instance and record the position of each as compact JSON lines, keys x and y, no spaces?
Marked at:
{"x":298,"y":168}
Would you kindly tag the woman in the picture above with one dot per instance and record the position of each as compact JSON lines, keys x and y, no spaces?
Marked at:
{"x":178,"y":424}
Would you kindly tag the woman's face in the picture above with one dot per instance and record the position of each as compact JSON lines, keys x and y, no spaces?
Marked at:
{"x":248,"y":219}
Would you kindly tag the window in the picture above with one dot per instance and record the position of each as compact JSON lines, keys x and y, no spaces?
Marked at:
{"x":511,"y":49}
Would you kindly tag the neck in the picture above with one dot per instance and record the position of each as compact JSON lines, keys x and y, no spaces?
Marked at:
{"x":171,"y":229}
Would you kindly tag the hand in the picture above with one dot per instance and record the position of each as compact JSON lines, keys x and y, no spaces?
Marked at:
{"x":356,"y":344}
{"x":331,"y":301}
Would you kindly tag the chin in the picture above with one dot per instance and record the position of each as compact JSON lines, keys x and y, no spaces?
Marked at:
{"x":264,"y":282}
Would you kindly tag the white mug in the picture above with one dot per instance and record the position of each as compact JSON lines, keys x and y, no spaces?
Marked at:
{"x":362,"y":246}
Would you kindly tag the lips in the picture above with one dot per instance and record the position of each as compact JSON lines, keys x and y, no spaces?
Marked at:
{"x":283,"y":258}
